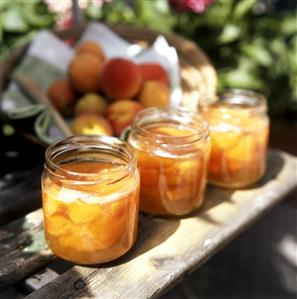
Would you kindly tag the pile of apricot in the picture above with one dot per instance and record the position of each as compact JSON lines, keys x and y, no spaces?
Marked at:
{"x":102,"y":95}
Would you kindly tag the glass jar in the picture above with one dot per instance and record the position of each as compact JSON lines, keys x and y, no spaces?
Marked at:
{"x":172,"y":149}
{"x":239,"y":129}
{"x":90,"y":195}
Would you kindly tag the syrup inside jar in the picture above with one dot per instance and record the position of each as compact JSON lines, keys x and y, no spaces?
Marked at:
{"x":172,"y":149}
{"x":90,"y":194}
{"x":239,"y":135}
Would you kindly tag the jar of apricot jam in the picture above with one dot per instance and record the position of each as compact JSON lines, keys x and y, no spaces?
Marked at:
{"x":239,"y":129}
{"x":90,"y":195}
{"x":172,"y":149}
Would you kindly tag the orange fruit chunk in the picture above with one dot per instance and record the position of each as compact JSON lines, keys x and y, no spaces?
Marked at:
{"x":225,"y":140}
{"x":58,"y":225}
{"x":244,"y":150}
{"x":172,"y":131}
{"x":50,"y":204}
{"x":150,"y":160}
{"x":80,"y":212}
{"x":182,"y":172}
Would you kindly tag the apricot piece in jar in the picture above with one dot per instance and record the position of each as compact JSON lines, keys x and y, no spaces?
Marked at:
{"x":83,"y":212}
{"x":50,"y":205}
{"x":244,"y":150}
{"x":58,"y":225}
{"x":225,"y":140}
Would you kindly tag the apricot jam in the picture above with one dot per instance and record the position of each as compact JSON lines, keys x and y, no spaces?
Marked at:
{"x":239,"y":134}
{"x":90,"y":195}
{"x":172,"y":149}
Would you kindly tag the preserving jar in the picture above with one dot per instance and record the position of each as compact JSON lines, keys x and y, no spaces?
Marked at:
{"x":172,"y":149}
{"x":239,"y":129}
{"x":90,"y":195}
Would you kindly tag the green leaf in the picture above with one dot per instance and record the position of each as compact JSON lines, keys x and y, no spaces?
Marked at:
{"x":8,"y":130}
{"x":162,"y":6}
{"x":37,"y":14}
{"x":93,"y":12}
{"x":242,"y":79}
{"x":267,"y":26}
{"x":4,"y":4}
{"x":293,"y":53}
{"x":242,"y":8}
{"x":292,"y":70}
{"x":13,"y":21}
{"x":13,"y":42}
{"x":217,"y":15}
{"x":289,"y":24}
{"x":246,"y":75}
{"x":230,"y":33}
{"x":257,"y":50}
{"x":153,"y":14}
{"x":279,"y":51}
{"x":118,"y":12}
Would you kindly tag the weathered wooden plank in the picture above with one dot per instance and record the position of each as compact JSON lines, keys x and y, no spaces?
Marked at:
{"x":168,"y":248}
{"x":22,"y":248}
{"x":25,"y":196}
{"x":40,"y":279}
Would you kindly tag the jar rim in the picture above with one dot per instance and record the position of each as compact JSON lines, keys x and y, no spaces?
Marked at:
{"x":250,"y":101}
{"x":242,"y":96}
{"x":179,"y":114}
{"x":76,"y":143}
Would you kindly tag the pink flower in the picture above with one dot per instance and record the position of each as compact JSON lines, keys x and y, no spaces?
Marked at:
{"x":197,"y":6}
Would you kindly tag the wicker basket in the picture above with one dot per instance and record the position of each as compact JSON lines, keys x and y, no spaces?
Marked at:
{"x":198,"y":76}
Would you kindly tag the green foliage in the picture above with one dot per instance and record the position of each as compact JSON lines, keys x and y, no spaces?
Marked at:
{"x":19,"y":21}
{"x":154,"y":14}
{"x":250,"y":48}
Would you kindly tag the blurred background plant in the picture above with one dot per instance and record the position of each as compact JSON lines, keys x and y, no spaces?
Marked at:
{"x":252,"y":44}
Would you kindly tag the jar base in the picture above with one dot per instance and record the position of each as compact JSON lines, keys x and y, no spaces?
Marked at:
{"x":240,"y":185}
{"x":168,"y":214}
{"x":92,"y":263}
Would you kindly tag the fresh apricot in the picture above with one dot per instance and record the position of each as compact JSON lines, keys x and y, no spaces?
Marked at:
{"x":91,"y":124}
{"x":91,"y":47}
{"x":84,"y":72}
{"x":121,"y":114}
{"x":62,"y":96}
{"x":154,"y":71}
{"x":90,"y":103}
{"x":121,"y":78}
{"x":154,"y":93}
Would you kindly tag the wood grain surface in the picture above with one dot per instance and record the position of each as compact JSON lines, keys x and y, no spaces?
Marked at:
{"x":166,"y":248}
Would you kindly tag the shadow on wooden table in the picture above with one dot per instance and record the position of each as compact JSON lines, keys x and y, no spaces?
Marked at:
{"x":152,"y":232}
{"x":215,"y":196}
{"x":20,"y":172}
{"x":275,"y":163}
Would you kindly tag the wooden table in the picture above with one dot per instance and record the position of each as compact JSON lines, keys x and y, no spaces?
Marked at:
{"x":166,"y":249}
